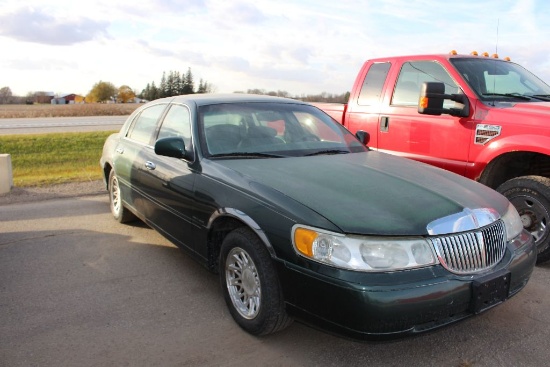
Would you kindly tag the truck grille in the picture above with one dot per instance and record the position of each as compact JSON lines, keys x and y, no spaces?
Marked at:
{"x":472,"y":252}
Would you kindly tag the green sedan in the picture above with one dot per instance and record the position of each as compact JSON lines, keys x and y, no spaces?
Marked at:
{"x":302,"y":221}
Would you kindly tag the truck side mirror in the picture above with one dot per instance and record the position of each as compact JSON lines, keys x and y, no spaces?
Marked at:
{"x":363,"y":136}
{"x":173,"y":147}
{"x":432,"y":96}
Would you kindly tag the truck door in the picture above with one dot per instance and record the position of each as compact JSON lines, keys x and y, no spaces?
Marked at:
{"x":443,"y":140}
{"x":363,"y":113}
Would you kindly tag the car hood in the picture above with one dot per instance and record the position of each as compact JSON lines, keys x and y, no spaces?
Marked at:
{"x":366,"y":193}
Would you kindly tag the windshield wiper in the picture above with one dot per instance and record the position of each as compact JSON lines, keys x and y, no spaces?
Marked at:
{"x":246,"y":155}
{"x":328,"y":152}
{"x":542,"y":97}
{"x":511,"y":95}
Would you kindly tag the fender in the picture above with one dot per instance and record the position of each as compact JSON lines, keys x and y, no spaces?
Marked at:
{"x":243,"y":217}
{"x":515,"y":143}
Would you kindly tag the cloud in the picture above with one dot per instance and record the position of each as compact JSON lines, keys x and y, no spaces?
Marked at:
{"x":156,"y":51}
{"x":30,"y":25}
{"x":39,"y":65}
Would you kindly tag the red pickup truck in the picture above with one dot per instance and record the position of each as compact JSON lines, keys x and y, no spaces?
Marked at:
{"x":479,"y":116}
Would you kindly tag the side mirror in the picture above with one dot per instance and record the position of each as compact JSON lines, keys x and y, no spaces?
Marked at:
{"x":173,"y":147}
{"x":363,"y":136}
{"x":432,"y":96}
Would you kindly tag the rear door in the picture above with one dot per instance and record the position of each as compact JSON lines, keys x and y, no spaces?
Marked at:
{"x":363,"y":112}
{"x":129,"y":158}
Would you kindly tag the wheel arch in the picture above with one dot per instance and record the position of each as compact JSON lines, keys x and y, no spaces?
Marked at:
{"x":221,"y":223}
{"x":515,"y":164}
{"x":107,"y":168}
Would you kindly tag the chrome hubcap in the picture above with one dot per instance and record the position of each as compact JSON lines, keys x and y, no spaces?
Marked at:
{"x":243,"y":283}
{"x":115,"y":195}
{"x":533,"y":216}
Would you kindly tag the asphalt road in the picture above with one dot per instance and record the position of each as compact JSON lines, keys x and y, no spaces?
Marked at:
{"x":60,"y":124}
{"x":79,"y":289}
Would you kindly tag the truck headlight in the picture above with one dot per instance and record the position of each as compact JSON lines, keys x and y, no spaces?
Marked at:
{"x":362,"y":253}
{"x":513,"y":223}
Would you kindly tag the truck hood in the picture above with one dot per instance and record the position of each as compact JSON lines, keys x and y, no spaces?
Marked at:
{"x":529,"y":113}
{"x":366,"y":193}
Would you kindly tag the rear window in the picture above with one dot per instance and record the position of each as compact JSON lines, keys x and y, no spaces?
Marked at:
{"x":371,"y":91}
{"x":145,"y":124}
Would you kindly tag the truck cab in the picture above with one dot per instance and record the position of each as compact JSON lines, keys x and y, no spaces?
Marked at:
{"x":482,"y":117}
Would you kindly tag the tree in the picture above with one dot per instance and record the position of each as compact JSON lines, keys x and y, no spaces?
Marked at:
{"x":101,"y":92}
{"x":204,"y":87}
{"x":188,"y":84}
{"x":174,"y":83}
{"x":5,"y":95}
{"x":125,"y":94}
{"x":162,"y":87}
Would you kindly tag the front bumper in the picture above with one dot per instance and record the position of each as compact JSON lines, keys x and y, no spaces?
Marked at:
{"x":391,"y":305}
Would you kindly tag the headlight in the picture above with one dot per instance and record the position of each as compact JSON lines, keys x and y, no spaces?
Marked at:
{"x":513,"y":223}
{"x":363,"y":253}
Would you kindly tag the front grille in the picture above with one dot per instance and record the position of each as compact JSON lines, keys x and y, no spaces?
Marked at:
{"x":472,"y":252}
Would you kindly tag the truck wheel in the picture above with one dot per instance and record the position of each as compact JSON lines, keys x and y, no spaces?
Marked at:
{"x":250,"y":285}
{"x":531,"y":197}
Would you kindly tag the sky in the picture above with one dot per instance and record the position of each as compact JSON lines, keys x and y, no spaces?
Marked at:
{"x":298,"y":46}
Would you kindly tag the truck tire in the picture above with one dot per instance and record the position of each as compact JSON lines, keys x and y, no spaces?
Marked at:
{"x":531,"y":197}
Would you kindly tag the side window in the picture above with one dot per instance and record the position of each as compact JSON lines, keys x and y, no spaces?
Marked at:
{"x":177,"y":123}
{"x":146,"y":123}
{"x":371,"y":91}
{"x":411,"y":77}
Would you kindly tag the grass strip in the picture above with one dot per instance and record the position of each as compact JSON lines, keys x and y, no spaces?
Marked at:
{"x":45,"y":159}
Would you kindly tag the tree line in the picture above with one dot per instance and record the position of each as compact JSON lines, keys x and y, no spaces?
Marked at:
{"x":174,"y":84}
{"x":322,"y":97}
{"x":171,"y":84}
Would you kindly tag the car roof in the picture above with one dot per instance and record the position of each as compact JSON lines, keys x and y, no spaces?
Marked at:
{"x":215,"y":98}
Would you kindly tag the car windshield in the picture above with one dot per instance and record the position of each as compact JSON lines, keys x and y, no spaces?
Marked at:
{"x":271,"y":130}
{"x":494,"y":79}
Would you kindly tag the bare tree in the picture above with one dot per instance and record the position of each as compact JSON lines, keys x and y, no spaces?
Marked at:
{"x":5,"y":95}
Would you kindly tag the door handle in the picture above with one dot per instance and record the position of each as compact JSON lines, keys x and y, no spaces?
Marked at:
{"x":150,"y":165}
{"x":120,"y":150}
{"x":384,"y":123}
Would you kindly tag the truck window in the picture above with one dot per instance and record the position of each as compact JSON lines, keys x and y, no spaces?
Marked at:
{"x":411,"y":77}
{"x":371,"y":91}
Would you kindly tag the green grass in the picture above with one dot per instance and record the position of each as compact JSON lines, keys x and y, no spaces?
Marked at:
{"x":45,"y":159}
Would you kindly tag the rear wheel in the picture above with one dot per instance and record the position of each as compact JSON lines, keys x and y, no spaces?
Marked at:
{"x":531,"y":197}
{"x":120,"y":213}
{"x":250,"y":285}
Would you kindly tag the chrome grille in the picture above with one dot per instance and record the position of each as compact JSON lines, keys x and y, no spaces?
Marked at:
{"x":472,"y":252}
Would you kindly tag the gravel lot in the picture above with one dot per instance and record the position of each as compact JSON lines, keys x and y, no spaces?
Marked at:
{"x":74,"y":189}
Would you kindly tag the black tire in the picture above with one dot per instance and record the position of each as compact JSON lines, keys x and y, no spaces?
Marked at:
{"x":120,"y":213}
{"x":531,"y":197}
{"x":250,"y":285}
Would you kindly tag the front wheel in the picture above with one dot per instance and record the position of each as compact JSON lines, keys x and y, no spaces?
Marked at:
{"x":531,"y":197}
{"x":250,"y":285}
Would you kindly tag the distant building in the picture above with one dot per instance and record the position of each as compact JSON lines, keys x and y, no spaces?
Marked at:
{"x":42,"y":97}
{"x":69,"y":99}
